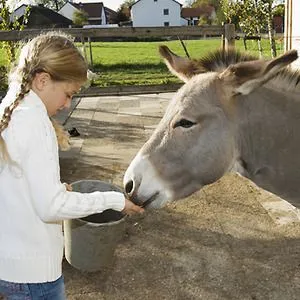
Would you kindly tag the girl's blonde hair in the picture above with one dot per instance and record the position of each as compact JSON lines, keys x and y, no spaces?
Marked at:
{"x":55,"y":54}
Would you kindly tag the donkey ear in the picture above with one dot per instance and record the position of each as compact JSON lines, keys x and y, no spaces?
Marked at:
{"x":181,"y":67}
{"x":246,"y":76}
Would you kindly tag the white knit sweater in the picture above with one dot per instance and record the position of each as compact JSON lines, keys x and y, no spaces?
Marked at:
{"x":33,"y":201}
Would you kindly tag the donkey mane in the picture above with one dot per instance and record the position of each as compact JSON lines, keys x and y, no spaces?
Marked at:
{"x":219,"y":60}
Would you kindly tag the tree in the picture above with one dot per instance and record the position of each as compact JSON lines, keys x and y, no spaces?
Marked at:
{"x":10,"y":47}
{"x":128,"y":3}
{"x":252,"y":19}
{"x":197,"y":3}
{"x":229,"y":12}
{"x":253,"y":16}
{"x":279,"y":10}
{"x":80,"y":17}
{"x":120,"y":17}
{"x":269,"y":14}
{"x":123,"y":12}
{"x":189,"y":3}
{"x":7,"y":23}
{"x":52,"y":4}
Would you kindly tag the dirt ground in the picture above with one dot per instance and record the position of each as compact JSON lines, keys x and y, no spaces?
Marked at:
{"x":220,"y":243}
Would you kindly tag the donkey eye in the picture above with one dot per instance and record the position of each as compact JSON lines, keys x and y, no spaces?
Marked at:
{"x":184,"y":123}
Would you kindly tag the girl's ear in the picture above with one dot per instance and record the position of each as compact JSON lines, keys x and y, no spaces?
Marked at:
{"x":41,"y":80}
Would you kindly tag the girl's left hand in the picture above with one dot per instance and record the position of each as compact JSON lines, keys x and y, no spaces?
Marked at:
{"x":68,"y":187}
{"x":130,"y":208}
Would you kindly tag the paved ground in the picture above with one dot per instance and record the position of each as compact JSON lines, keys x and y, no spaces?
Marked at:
{"x":229,"y":241}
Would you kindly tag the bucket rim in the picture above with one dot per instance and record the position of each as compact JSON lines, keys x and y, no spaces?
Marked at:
{"x":106,"y":223}
{"x":102,"y":224}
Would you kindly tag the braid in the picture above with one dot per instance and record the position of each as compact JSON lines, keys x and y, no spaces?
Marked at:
{"x":24,"y":89}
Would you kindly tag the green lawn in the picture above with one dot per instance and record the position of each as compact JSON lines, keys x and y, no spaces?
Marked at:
{"x":132,"y":63}
{"x":136,"y":63}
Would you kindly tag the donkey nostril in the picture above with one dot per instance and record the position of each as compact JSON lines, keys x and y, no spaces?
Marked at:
{"x":129,"y":187}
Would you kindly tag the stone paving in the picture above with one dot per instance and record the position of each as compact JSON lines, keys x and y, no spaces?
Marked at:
{"x":229,"y":241}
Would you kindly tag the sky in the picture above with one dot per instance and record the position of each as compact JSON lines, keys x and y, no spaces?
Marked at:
{"x":113,"y":4}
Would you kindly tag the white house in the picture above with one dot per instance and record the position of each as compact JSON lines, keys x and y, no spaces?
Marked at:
{"x":292,"y":27}
{"x":97,"y":13}
{"x":152,"y":13}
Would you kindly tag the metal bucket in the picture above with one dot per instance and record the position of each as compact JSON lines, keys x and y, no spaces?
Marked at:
{"x":90,"y":242}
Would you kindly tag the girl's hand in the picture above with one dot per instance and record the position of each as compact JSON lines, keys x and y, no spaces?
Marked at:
{"x":68,"y":187}
{"x":130,"y":208}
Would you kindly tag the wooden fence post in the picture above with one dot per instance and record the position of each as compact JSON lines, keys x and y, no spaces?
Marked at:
{"x":91,"y":53}
{"x":223,"y":37}
{"x":83,"y":47}
{"x":229,"y":32}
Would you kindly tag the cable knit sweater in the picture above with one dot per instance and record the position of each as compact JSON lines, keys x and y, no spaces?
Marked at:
{"x":33,"y":201}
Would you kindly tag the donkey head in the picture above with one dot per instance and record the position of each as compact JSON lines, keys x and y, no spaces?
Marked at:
{"x":195,"y":143}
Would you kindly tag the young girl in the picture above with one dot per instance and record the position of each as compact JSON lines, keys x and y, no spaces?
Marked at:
{"x":33,"y":201}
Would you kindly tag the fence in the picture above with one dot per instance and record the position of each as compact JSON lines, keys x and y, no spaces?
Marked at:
{"x":192,"y":31}
{"x":226,"y":33}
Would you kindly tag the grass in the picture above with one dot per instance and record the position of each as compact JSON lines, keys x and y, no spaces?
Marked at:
{"x":135,"y":63}
{"x":138,"y":63}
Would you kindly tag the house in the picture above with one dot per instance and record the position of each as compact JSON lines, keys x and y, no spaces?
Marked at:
{"x":97,"y":13}
{"x":278,"y":24}
{"x":203,"y":14}
{"x":110,"y":14}
{"x":156,"y":13}
{"x":41,"y":17}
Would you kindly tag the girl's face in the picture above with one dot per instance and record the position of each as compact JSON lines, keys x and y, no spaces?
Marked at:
{"x":56,"y":95}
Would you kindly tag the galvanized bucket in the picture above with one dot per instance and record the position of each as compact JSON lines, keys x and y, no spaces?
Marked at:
{"x":90,"y":242}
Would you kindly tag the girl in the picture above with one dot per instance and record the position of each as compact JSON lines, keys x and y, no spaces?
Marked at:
{"x":33,"y":201}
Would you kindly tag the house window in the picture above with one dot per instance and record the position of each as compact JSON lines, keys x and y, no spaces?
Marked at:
{"x":166,"y":12}
{"x":166,"y":24}
{"x":155,"y":0}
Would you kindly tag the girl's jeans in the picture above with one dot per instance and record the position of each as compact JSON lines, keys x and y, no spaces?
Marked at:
{"x":54,"y":290}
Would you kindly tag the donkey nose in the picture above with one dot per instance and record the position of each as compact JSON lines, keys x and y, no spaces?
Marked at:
{"x":129,"y":187}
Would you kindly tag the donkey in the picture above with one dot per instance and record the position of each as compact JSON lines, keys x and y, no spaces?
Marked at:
{"x":234,"y":113}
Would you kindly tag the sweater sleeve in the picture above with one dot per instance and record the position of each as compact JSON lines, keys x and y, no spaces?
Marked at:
{"x":40,"y":164}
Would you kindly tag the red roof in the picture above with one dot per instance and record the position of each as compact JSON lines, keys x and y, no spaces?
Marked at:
{"x":188,"y":12}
